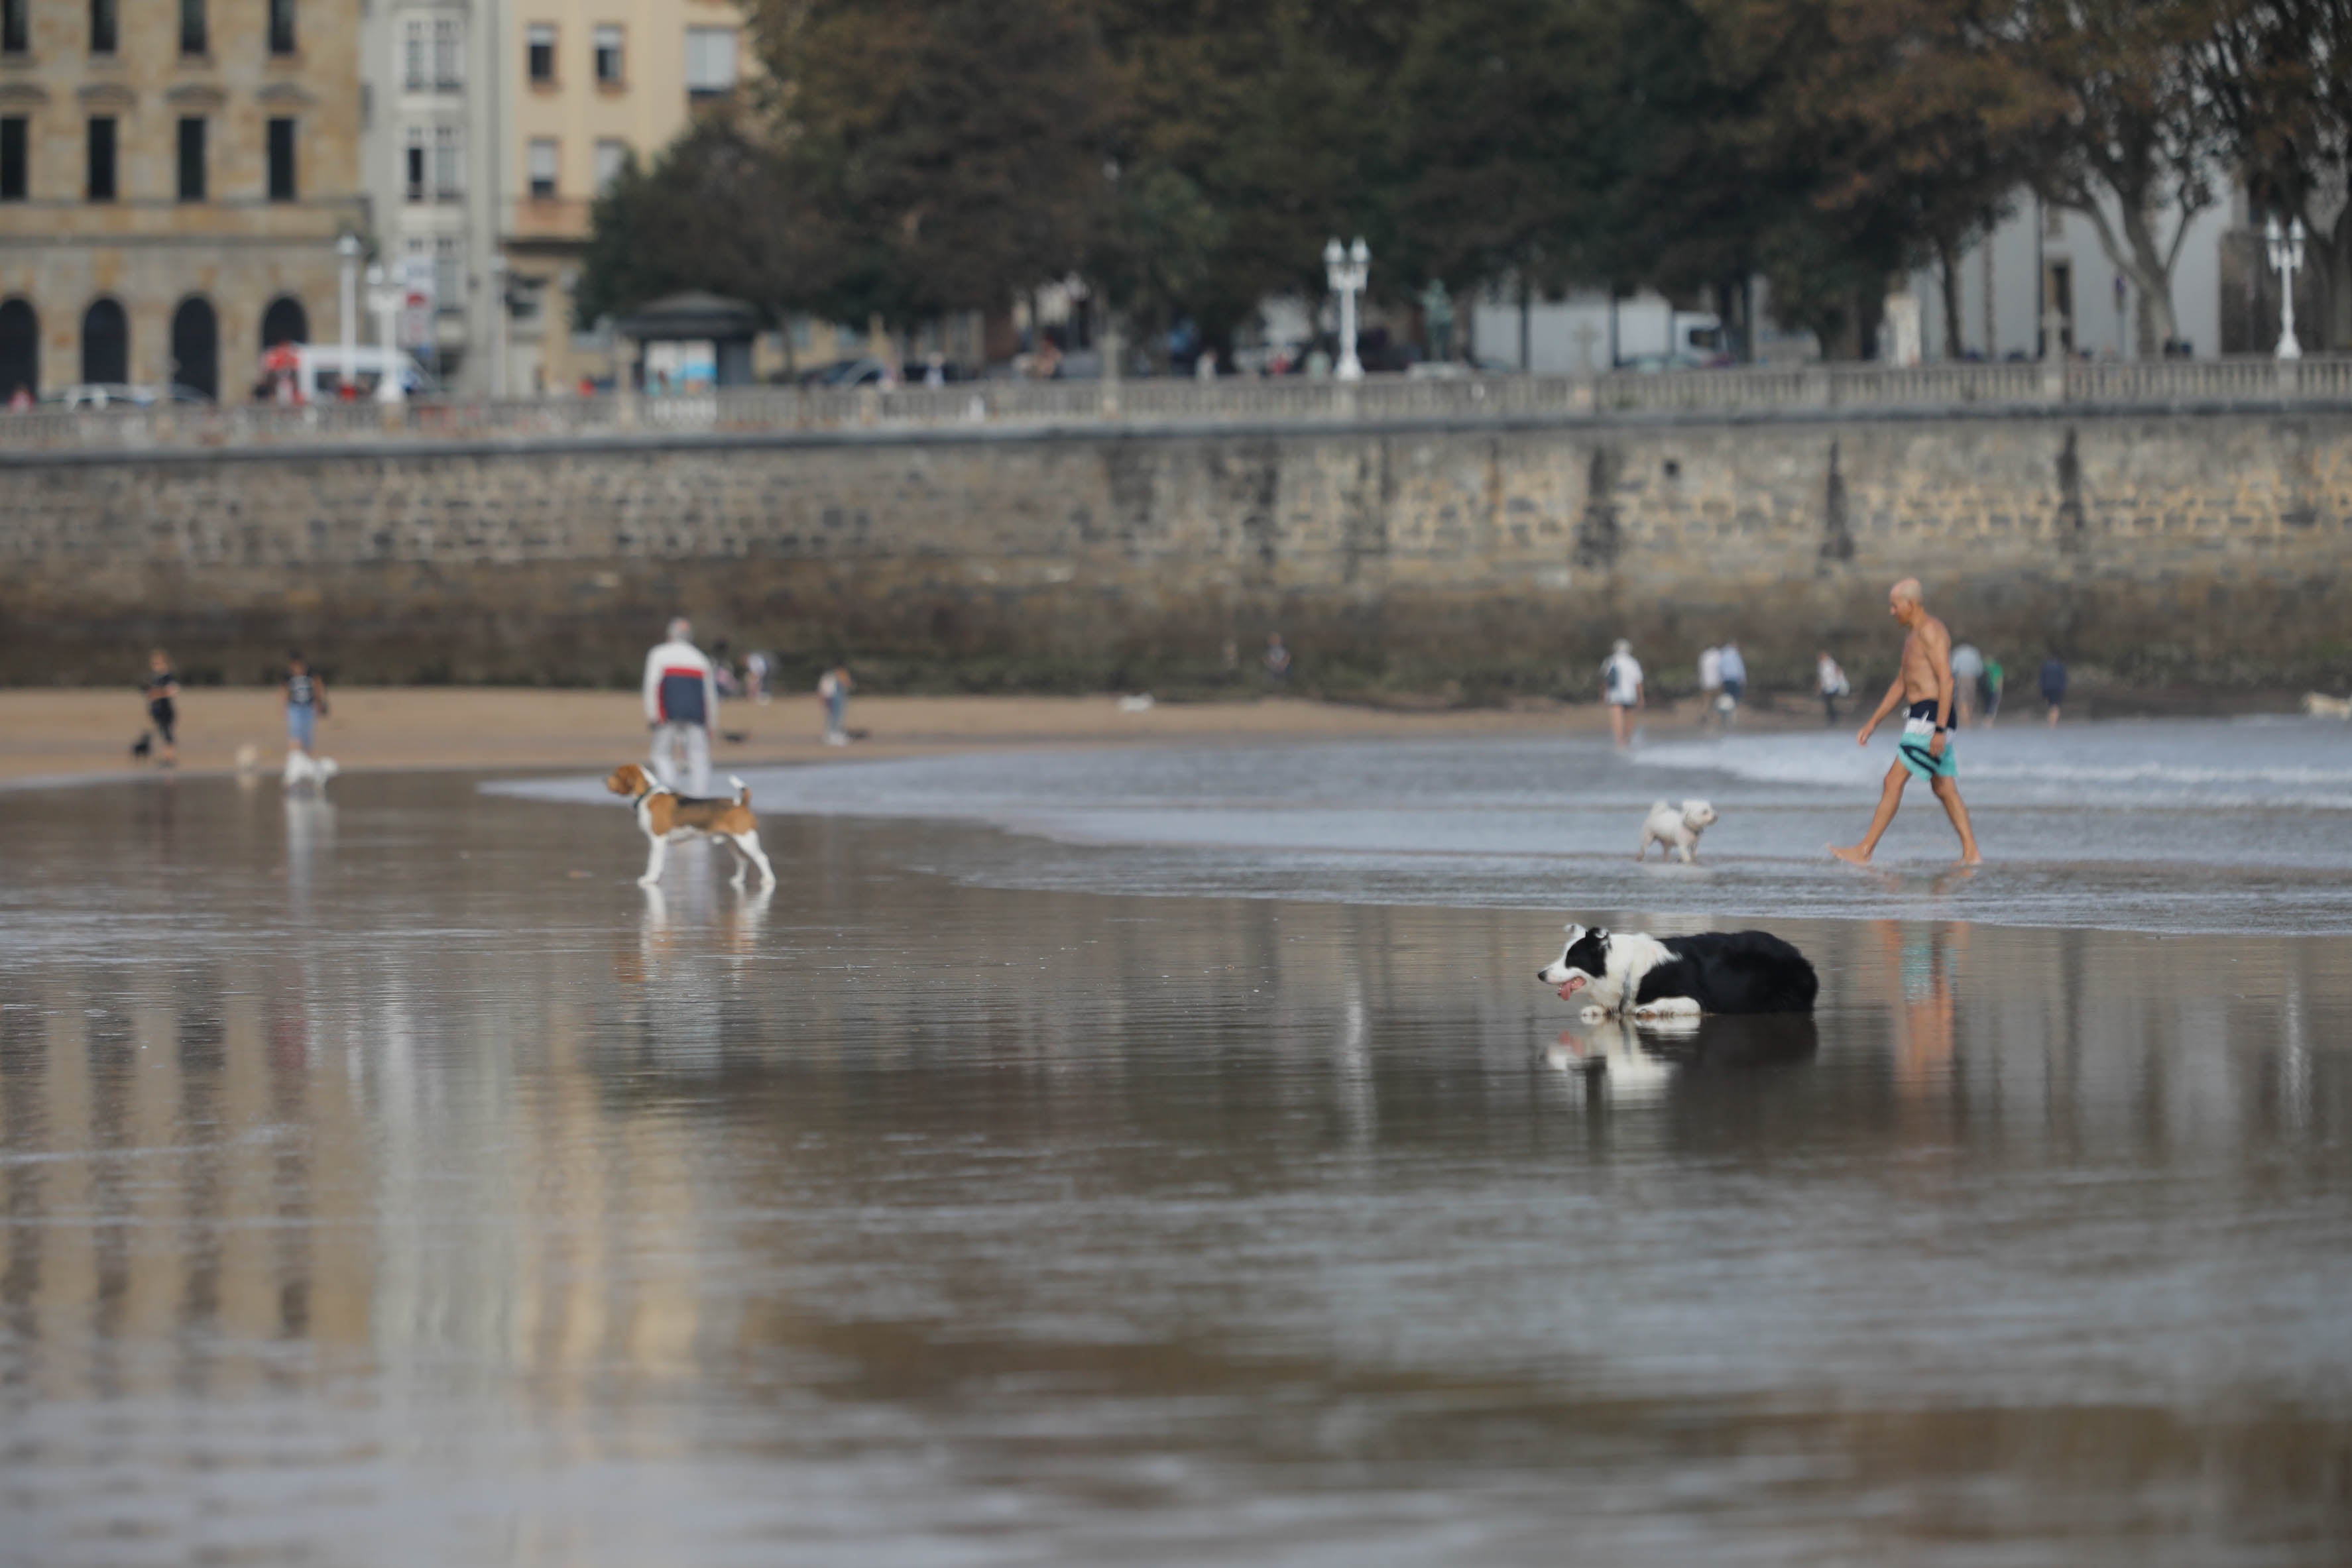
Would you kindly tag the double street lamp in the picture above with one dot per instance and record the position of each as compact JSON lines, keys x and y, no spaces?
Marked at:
{"x":2285,"y":247}
{"x":1348,"y":270}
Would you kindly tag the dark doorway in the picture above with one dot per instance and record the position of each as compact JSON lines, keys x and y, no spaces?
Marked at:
{"x":284,"y":322}
{"x":20,"y":348}
{"x":195,"y":347}
{"x":105,"y":343}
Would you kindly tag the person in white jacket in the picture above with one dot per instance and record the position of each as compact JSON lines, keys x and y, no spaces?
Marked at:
{"x":681,"y":709}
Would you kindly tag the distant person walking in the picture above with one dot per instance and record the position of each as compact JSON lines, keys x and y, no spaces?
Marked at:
{"x":1830,"y":682}
{"x":303,"y":695}
{"x":162,"y":690}
{"x":1621,"y":688}
{"x":1734,"y":670}
{"x":755,"y":676}
{"x":833,"y":689}
{"x":1967,"y":671}
{"x":2053,"y":685}
{"x":1278,"y":661}
{"x":1926,"y":749}
{"x":1989,"y":687}
{"x":1710,"y":681}
{"x":681,"y":707}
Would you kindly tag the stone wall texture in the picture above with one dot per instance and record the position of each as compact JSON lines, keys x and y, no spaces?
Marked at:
{"x":2163,"y":548}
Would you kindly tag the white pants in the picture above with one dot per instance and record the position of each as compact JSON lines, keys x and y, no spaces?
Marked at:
{"x":694,"y":741}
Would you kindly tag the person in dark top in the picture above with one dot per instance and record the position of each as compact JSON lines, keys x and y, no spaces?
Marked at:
{"x":304,"y":698}
{"x":2054,"y":684}
{"x":160,"y":688}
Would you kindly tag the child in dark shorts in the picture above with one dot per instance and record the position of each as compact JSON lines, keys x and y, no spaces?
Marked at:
{"x":160,"y":688}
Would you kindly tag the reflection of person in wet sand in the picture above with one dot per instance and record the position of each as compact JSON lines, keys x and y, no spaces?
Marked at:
{"x":1925,"y":1032}
{"x":1926,"y":750}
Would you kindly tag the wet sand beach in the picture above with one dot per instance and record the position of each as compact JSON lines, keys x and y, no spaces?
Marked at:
{"x":87,"y":733}
{"x":387,"y":1180}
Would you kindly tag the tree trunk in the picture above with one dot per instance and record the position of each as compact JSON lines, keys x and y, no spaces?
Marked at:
{"x":2150,"y":270}
{"x":1951,"y":266}
{"x":2334,"y":273}
{"x":1527,"y":327}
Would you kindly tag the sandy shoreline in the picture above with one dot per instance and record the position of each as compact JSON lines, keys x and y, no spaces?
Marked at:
{"x":80,"y":734}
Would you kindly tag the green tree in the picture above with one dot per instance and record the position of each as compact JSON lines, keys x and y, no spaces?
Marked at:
{"x":2279,"y":76}
{"x":2134,"y":143}
{"x":1496,"y":152}
{"x":712,"y":213}
{"x":1274,"y":111}
{"x":954,"y":151}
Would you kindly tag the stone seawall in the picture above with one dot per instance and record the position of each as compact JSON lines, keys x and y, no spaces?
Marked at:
{"x":2164,"y":547}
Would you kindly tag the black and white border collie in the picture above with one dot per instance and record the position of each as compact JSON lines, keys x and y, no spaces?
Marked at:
{"x":1681,"y":977}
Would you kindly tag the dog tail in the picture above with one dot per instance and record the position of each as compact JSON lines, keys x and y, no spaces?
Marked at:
{"x":1661,"y":806}
{"x":742,"y":790}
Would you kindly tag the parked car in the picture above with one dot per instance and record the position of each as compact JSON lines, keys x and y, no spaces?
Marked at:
{"x":847,"y":373}
{"x":1650,"y":364}
{"x":317,"y":371}
{"x":102,"y":394}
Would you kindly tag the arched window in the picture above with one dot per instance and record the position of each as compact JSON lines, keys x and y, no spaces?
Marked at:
{"x":105,"y":342}
{"x":195,"y":346}
{"x":20,"y":348}
{"x":284,"y":322}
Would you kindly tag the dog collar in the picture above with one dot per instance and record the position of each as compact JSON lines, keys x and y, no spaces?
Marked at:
{"x":651,"y":791}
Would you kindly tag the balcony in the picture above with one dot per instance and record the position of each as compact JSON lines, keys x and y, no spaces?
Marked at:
{"x":547,"y":218}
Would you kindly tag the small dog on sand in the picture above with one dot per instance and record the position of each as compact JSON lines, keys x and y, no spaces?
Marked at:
{"x":303,"y":769}
{"x":1675,"y":829}
{"x":2319,"y":705}
{"x":665,"y":815}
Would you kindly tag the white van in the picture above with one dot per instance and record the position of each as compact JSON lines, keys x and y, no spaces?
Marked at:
{"x":321,"y":369}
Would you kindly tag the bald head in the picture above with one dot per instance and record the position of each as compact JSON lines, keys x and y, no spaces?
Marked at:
{"x":1903,"y":601}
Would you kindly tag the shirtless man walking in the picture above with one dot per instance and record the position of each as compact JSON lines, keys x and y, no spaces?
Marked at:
{"x":1925,"y":750}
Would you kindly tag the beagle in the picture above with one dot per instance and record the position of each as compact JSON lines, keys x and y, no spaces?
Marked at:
{"x":665,"y":815}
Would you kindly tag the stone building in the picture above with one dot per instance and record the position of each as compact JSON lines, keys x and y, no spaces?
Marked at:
{"x":174,"y":177}
{"x":429,"y":168}
{"x":586,"y":84}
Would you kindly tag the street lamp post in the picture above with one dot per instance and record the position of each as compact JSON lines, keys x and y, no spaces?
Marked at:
{"x":2286,"y":258}
{"x":347,"y":250}
{"x":1347,"y":269}
{"x":387,"y":297}
{"x":497,"y":292}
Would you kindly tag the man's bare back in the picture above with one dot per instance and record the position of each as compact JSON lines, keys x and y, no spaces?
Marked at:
{"x":1923,"y":686}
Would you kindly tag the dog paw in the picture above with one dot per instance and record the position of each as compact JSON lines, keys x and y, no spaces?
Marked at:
{"x":1594,"y":1014}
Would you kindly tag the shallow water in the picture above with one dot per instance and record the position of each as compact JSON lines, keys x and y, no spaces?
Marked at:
{"x":2173,"y":827}
{"x":391,"y":1181}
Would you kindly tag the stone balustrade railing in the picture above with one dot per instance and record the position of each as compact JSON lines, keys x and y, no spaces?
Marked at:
{"x":1758,"y":393}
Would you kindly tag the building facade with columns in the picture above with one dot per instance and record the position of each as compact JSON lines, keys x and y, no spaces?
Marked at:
{"x":174,"y":177}
{"x":585,"y":84}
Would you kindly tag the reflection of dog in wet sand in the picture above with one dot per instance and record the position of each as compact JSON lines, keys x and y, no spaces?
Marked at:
{"x":1681,"y":977}
{"x":1675,"y":828}
{"x":1639,"y":1062}
{"x":665,"y":815}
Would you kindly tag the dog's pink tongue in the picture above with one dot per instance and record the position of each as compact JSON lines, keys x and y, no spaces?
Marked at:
{"x":1573,"y":986}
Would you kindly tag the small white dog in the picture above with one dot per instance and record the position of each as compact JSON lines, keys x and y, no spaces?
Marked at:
{"x":302,"y":769}
{"x":1673,"y":829}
